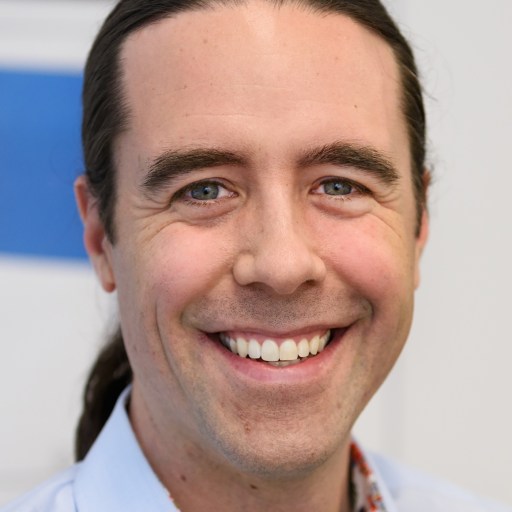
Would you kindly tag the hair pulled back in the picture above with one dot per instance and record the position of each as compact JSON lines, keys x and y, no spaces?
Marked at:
{"x":106,"y":114}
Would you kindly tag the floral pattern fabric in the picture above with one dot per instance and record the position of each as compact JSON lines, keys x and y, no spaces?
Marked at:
{"x":366,"y":496}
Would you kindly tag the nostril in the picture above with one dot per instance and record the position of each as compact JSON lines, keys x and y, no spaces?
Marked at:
{"x":283,"y":272}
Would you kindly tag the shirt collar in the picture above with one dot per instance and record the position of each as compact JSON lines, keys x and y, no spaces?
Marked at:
{"x":115,"y":475}
{"x":369,"y":492}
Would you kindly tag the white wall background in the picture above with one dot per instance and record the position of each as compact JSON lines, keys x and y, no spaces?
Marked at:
{"x":453,"y":384}
{"x":447,"y":407}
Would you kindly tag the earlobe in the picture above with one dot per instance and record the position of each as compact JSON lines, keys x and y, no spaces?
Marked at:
{"x":96,"y":243}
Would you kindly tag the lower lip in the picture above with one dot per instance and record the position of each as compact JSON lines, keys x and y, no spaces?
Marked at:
{"x":309,"y":370}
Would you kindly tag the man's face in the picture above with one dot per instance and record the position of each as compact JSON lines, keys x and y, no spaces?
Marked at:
{"x":264,"y":193}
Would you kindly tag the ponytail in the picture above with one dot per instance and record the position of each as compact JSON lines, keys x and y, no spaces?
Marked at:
{"x":110,"y":374}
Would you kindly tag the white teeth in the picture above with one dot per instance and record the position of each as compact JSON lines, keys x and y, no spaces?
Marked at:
{"x":323,"y":341}
{"x":303,"y":347}
{"x":313,"y":345}
{"x":254,"y":349}
{"x":269,"y":351}
{"x":289,"y":352}
{"x":242,"y":347}
{"x":282,"y":364}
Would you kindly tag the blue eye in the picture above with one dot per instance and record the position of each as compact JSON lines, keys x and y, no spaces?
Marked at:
{"x":337,"y":188}
{"x":204,"y":191}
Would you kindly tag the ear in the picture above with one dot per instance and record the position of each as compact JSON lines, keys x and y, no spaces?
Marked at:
{"x":422,"y":236}
{"x":96,"y":243}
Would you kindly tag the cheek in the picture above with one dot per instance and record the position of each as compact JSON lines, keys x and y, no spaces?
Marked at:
{"x":157,"y":279}
{"x":375,"y":259}
{"x":182,"y":264}
{"x":377,"y":263}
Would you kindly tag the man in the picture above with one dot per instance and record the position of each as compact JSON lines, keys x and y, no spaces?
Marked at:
{"x":255,"y":192}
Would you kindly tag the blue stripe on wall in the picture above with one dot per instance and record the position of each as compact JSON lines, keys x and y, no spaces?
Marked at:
{"x":40,"y":156}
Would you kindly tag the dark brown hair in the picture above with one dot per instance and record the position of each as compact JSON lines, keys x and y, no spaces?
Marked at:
{"x":106,"y":114}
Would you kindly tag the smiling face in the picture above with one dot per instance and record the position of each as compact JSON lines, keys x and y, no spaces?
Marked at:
{"x":266,"y":255}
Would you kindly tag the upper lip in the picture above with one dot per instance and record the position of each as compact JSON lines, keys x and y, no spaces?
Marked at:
{"x":278,"y":333}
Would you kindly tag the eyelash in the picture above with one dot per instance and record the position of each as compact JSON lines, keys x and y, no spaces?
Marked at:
{"x":182,"y":193}
{"x":357,"y":188}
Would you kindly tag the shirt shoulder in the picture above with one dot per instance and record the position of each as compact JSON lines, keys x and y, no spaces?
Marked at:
{"x":414,"y":491}
{"x":55,"y":495}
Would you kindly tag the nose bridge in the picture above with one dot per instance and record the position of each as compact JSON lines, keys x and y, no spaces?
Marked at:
{"x":280,"y":219}
{"x":280,"y":252}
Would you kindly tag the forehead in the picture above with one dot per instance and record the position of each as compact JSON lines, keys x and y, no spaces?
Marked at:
{"x":247,"y":72}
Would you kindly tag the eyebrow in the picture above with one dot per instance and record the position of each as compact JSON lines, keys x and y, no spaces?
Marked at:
{"x":175,"y":163}
{"x":364,"y":158}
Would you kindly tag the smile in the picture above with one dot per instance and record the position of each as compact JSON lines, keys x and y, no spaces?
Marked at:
{"x":276,"y":352}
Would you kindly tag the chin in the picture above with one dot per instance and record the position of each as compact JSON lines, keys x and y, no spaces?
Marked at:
{"x":279,"y":450}
{"x":283,"y":462}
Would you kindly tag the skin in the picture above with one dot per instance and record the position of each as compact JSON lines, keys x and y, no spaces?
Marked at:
{"x":275,"y":255}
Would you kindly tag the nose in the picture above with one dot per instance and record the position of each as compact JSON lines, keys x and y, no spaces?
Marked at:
{"x":278,"y":253}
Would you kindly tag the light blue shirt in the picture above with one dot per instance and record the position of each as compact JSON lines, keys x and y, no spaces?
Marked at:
{"x":115,"y":476}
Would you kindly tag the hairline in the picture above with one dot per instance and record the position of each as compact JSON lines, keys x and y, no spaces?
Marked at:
{"x":307,"y":5}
